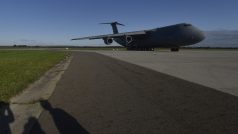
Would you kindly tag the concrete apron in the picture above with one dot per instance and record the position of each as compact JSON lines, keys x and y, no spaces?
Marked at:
{"x":214,"y":69}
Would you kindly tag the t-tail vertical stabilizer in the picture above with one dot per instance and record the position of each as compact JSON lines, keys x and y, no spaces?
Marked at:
{"x":114,"y":26}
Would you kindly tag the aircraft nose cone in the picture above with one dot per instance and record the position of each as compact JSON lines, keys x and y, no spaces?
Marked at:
{"x":199,"y":36}
{"x":196,"y":35}
{"x":191,"y":34}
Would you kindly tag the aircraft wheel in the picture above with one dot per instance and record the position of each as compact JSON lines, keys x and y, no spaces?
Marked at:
{"x":174,"y":49}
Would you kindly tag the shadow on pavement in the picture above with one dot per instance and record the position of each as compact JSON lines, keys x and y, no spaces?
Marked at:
{"x":33,"y":121}
{"x":65,"y":123}
{"x":6,"y":117}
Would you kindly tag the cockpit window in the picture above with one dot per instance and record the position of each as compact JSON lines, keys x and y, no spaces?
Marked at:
{"x":186,"y":25}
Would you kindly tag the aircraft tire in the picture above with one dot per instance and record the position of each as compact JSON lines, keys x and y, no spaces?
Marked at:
{"x":174,"y":49}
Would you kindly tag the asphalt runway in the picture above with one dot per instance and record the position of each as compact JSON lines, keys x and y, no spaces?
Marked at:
{"x":101,"y":95}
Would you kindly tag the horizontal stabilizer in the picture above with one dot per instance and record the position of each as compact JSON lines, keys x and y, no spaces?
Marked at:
{"x":113,"y":23}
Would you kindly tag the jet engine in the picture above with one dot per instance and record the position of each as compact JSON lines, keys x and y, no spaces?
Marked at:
{"x":108,"y":41}
{"x":129,"y":39}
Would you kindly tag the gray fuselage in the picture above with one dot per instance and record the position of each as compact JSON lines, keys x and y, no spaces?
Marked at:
{"x":172,"y":36}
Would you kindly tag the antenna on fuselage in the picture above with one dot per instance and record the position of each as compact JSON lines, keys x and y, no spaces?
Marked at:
{"x":114,"y":26}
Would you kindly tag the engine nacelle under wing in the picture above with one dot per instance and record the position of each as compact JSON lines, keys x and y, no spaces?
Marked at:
{"x":108,"y":41}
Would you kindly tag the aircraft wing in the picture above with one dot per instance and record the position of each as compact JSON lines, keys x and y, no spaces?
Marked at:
{"x":137,"y":33}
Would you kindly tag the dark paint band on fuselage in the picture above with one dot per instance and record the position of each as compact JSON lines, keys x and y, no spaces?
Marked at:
{"x":170,"y":36}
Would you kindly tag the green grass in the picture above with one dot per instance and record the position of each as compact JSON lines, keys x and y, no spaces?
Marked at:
{"x":20,"y":68}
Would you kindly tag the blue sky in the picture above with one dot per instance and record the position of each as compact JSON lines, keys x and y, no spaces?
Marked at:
{"x":55,"y":22}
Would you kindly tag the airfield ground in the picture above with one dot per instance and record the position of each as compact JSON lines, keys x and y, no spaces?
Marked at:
{"x":143,"y":92}
{"x":99,"y":94}
{"x":215,"y":68}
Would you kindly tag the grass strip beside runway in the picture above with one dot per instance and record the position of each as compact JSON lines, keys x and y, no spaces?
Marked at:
{"x":20,"y":68}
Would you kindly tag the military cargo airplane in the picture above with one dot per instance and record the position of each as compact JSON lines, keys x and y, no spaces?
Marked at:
{"x":172,"y":37}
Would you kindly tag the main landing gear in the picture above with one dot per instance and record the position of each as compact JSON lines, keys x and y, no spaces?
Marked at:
{"x":140,"y":49}
{"x":176,"y":49}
